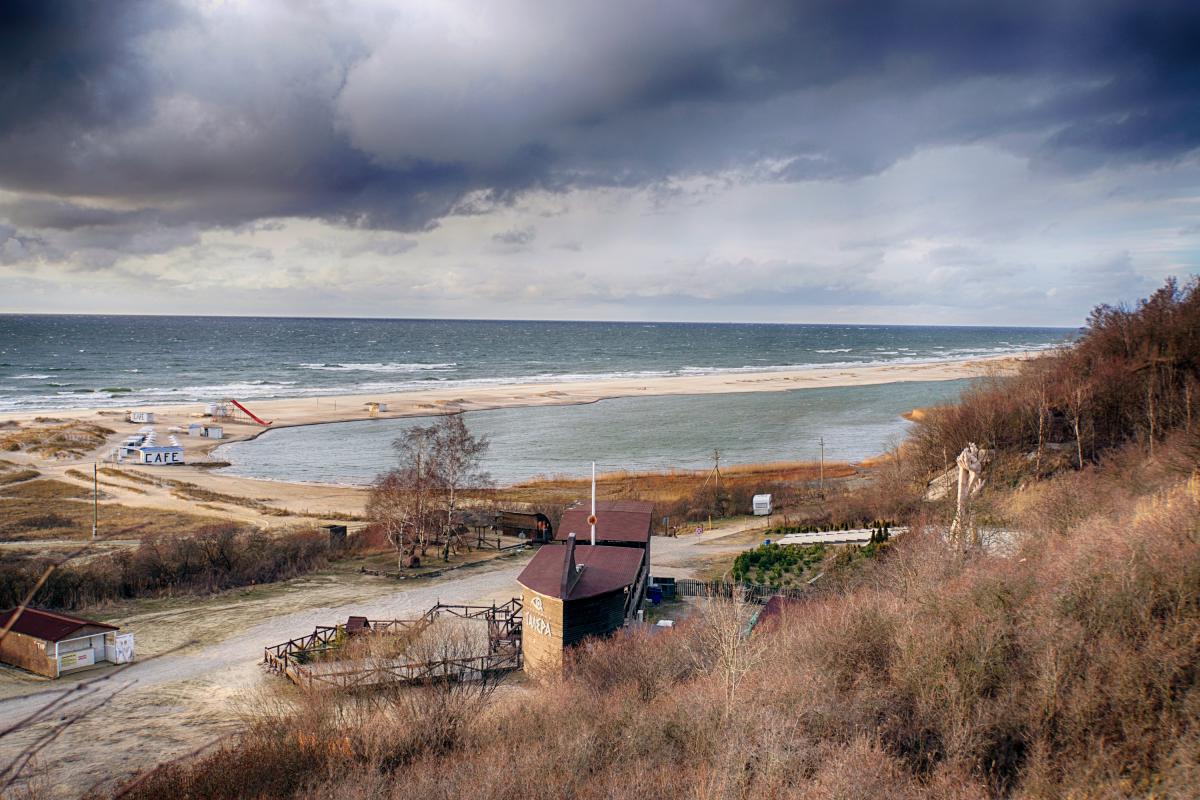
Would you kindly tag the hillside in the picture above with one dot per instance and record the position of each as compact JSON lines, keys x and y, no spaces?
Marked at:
{"x":1064,"y":664}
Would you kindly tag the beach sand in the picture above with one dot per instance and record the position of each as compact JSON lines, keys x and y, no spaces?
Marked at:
{"x":445,"y":399}
{"x":306,"y":498}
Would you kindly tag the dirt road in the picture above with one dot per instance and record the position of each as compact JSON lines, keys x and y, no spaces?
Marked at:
{"x":198,"y":659}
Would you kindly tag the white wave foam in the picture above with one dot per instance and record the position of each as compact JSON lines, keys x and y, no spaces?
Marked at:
{"x":259,"y":389}
{"x":27,"y":377}
{"x":378,"y":367}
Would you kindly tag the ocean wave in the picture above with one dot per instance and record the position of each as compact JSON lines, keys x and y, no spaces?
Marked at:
{"x":428,"y":377}
{"x":378,"y":367}
{"x":836,"y":350}
{"x":27,"y":377}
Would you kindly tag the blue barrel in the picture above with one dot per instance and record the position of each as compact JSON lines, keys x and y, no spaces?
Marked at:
{"x":654,"y":593}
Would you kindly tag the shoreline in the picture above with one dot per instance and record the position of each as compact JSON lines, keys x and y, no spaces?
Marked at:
{"x":436,"y":401}
{"x":296,"y":412}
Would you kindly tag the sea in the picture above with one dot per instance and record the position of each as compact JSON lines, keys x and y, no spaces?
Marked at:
{"x":70,"y":361}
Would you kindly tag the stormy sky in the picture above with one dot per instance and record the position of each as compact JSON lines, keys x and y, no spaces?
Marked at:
{"x":830,"y":161}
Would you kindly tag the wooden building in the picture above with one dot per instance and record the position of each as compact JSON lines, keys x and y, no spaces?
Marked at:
{"x":622,"y":523}
{"x":619,"y":523}
{"x":535,"y":527}
{"x":51,"y":644}
{"x":572,"y":592}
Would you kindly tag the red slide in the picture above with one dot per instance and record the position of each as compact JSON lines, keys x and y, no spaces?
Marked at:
{"x":249,"y":413}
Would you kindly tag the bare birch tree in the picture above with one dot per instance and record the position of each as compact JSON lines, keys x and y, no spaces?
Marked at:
{"x":415,"y":502}
{"x":457,"y":457}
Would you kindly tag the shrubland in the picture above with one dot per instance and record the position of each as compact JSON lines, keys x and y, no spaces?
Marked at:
{"x":218,"y":557}
{"x":1065,"y":663}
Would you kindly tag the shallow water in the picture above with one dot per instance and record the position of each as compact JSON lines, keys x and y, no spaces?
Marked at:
{"x":636,"y":433}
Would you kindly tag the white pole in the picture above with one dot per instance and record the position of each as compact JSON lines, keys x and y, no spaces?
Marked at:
{"x":593,"y":503}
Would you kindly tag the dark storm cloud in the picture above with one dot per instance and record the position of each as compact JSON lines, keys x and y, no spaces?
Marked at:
{"x":184,"y":118}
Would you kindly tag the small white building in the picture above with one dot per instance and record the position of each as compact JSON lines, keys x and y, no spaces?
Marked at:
{"x":212,"y":432}
{"x":762,"y":505}
{"x":139,"y":416}
{"x":50,"y":643}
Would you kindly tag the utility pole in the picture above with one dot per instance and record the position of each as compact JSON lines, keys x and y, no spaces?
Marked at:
{"x":822,"y":484}
{"x":95,"y":497}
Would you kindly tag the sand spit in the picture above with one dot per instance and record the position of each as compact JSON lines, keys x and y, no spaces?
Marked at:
{"x":449,"y":399}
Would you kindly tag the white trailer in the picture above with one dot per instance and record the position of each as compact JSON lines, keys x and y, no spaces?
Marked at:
{"x":762,"y":505}
{"x":139,"y":416}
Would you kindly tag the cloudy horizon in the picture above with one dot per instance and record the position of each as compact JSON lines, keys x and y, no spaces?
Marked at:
{"x":708,"y":161}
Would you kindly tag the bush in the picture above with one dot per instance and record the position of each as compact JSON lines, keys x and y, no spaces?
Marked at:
{"x":217,"y":558}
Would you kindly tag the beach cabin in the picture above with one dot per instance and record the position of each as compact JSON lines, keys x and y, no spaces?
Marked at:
{"x":571,"y":592}
{"x":52,"y":644}
{"x":139,"y":416}
{"x":212,"y":432}
{"x":762,"y":505}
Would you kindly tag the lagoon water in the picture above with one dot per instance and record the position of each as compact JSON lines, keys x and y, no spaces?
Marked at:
{"x":58,"y":361}
{"x":636,"y":433}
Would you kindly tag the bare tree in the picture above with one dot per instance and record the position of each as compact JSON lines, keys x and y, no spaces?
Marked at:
{"x":725,"y":645}
{"x":1078,"y":401}
{"x":415,"y":502}
{"x":457,"y":455}
{"x":402,"y":499}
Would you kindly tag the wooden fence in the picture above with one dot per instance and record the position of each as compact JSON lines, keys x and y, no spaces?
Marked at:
{"x":312,"y":660}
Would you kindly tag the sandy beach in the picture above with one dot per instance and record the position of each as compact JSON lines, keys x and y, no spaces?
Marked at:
{"x":439,"y":400}
{"x":301,"y":499}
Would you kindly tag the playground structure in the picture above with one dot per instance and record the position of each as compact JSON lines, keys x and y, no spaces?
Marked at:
{"x":318,"y":659}
{"x":230,"y":410}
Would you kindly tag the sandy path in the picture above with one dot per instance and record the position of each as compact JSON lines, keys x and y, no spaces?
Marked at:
{"x":183,"y":700}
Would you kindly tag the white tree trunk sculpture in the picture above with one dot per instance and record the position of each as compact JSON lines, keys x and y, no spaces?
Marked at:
{"x":970,"y":481}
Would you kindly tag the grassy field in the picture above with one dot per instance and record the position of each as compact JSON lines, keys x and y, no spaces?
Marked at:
{"x":49,"y":509}
{"x":668,"y":486}
{"x":54,"y":438}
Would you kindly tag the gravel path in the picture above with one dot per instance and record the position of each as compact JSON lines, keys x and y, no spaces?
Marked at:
{"x":199,"y":661}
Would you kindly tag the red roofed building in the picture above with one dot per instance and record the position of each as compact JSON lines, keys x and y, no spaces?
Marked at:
{"x":618,"y":522}
{"x":575,"y":591}
{"x":51,"y":643}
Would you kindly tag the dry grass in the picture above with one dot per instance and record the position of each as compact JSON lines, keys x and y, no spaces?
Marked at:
{"x":79,"y":475}
{"x":1071,"y":668}
{"x":65,"y":440}
{"x":17,"y":475}
{"x":48,"y":509}
{"x":669,"y":486}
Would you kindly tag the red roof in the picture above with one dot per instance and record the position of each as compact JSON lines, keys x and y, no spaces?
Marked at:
{"x":616,"y":521}
{"x":48,"y":625}
{"x":605,"y":569}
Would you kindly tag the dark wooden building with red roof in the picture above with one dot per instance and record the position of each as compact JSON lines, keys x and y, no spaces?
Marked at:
{"x":51,"y":643}
{"x":622,"y":523}
{"x":575,"y":591}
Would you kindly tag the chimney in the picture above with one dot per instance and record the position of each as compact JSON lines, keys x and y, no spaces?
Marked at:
{"x":571,"y":573}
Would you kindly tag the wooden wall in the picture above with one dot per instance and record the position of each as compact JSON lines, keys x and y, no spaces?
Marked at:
{"x":545,"y":632}
{"x":595,"y":616}
{"x":29,"y":653}
{"x":541,"y":633}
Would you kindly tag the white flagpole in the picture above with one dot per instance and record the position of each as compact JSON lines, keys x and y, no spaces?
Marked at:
{"x":593,"y":504}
